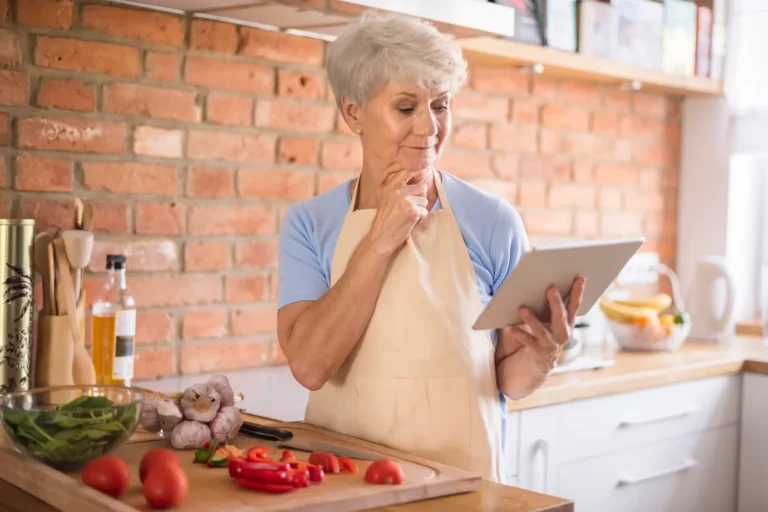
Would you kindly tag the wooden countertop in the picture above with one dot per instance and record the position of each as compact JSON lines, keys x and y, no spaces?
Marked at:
{"x":640,"y":370}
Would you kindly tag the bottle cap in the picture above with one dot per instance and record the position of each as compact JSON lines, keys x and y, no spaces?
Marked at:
{"x":116,"y":261}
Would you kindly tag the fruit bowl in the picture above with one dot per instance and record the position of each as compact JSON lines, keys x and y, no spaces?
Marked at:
{"x":667,"y":334}
{"x":66,"y":427}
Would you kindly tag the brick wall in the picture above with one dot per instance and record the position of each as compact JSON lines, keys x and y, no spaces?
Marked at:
{"x":192,"y":137}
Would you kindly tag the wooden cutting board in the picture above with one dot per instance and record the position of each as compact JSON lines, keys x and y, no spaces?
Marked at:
{"x":211,"y":489}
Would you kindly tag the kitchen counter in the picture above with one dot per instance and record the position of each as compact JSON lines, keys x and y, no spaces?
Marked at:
{"x":640,"y":370}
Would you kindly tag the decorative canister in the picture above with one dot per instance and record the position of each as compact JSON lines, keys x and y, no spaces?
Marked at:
{"x":17,"y":238}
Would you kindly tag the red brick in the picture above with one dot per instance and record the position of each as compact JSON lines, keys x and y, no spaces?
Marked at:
{"x":159,"y":219}
{"x":229,"y":75}
{"x":231,"y":220}
{"x":66,"y":94}
{"x":655,"y":154}
{"x":281,"y":47}
{"x":622,"y":150}
{"x":159,"y":142}
{"x":618,"y":100}
{"x":544,"y":86}
{"x":143,"y":255}
{"x":44,"y":174}
{"x":565,"y":195}
{"x":229,"y":109}
{"x":605,"y":123}
{"x":506,"y":166}
{"x":5,"y":208}
{"x":247,"y":322}
{"x":609,"y":199}
{"x":230,"y":146}
{"x":110,"y":217}
{"x":533,"y":194}
{"x":621,"y":224}
{"x":10,"y":49}
{"x":221,"y":357}
{"x":71,"y":134}
{"x":583,"y":171}
{"x":246,"y":288}
{"x":275,"y":184}
{"x":469,"y":134}
{"x":514,"y":137}
{"x":153,"y":328}
{"x":206,"y":323}
{"x":3,"y":172}
{"x":548,"y":222}
{"x":543,"y":168}
{"x":284,"y":114}
{"x":633,"y":126}
{"x":466,"y":164}
{"x":644,"y":201}
{"x":3,"y":10}
{"x":256,"y":254}
{"x":581,"y":92}
{"x":616,"y":174}
{"x":328,"y":180}
{"x":13,"y":88}
{"x":44,"y":13}
{"x":146,"y":101}
{"x":561,"y":116}
{"x":480,"y":107}
{"x":525,"y":111}
{"x":652,"y":105}
{"x":213,"y":36}
{"x":298,"y":150}
{"x":205,"y":256}
{"x":672,"y":132}
{"x":499,"y":188}
{"x":651,"y":178}
{"x":161,"y":67}
{"x":210,"y":182}
{"x":500,"y":80}
{"x":49,"y":213}
{"x":154,"y":364}
{"x":346,"y":155}
{"x":580,"y":144}
{"x":551,"y":141}
{"x":659,"y":224}
{"x":140,"y":24}
{"x":175,"y":291}
{"x":87,"y":56}
{"x":299,"y":84}
{"x":586,"y":224}
{"x":5,"y":129}
{"x":131,"y":178}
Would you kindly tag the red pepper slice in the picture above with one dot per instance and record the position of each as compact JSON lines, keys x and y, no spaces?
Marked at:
{"x":258,"y":454}
{"x":316,"y":473}
{"x":347,"y":465}
{"x":259,"y":486}
{"x":299,"y":478}
{"x":298,"y":466}
{"x":239,"y":468}
{"x":288,"y":456}
{"x":328,"y":461}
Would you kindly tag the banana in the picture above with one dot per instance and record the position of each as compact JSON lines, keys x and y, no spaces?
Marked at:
{"x":627,"y":314}
{"x":658,"y":302}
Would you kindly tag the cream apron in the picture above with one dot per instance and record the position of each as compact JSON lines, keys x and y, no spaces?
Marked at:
{"x":420,"y":380}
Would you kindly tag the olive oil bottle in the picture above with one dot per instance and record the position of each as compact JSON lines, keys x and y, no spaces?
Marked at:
{"x":113,"y":327}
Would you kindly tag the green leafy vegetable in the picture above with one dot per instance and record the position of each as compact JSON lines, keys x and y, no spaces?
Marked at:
{"x":73,"y":434}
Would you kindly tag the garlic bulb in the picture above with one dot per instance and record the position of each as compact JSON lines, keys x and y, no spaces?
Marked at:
{"x":170,"y":414}
{"x":221,"y":384}
{"x":226,"y":424}
{"x":149,"y":419}
{"x":190,"y":434}
{"x":200,"y":402}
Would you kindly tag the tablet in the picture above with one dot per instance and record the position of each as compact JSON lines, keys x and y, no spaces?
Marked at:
{"x":600,"y":261}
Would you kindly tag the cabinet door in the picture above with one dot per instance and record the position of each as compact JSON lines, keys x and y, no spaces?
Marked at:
{"x":753,"y":491}
{"x":538,"y":455}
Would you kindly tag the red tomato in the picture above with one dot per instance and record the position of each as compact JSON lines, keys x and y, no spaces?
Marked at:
{"x":327,"y":461}
{"x":385,"y":471}
{"x":107,"y":474}
{"x":166,"y":486}
{"x":156,"y":457}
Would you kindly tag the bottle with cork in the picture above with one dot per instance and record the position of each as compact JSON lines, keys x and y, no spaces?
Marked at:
{"x":113,"y":327}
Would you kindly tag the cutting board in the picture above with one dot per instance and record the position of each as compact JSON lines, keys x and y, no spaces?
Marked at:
{"x":211,"y":489}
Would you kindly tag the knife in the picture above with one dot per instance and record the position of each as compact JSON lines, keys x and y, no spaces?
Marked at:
{"x":307,"y":445}
{"x":264,"y":432}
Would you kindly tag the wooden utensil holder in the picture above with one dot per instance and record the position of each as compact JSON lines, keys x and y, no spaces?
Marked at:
{"x":57,"y":350}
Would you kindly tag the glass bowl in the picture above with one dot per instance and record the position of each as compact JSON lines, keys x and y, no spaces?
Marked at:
{"x":66,"y":427}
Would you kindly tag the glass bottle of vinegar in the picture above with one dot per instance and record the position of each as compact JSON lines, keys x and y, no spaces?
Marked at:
{"x":113,"y":327}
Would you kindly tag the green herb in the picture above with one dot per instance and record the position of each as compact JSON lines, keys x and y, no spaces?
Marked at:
{"x":679,"y":320}
{"x":74,"y":433}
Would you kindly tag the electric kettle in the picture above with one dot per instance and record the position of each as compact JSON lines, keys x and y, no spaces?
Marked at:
{"x":711,"y":300}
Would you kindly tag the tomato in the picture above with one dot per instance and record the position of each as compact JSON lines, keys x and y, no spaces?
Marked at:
{"x":166,"y":486}
{"x":347,"y":464}
{"x":107,"y":474}
{"x":327,"y":461}
{"x":385,"y":471}
{"x":156,"y":457}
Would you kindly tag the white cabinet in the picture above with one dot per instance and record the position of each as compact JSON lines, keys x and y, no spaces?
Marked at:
{"x":753,"y":486}
{"x":668,"y":448}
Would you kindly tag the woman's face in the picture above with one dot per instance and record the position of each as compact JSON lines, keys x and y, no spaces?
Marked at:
{"x":405,"y":124}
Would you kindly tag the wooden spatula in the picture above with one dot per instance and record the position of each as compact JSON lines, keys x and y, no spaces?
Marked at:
{"x":43,"y":241}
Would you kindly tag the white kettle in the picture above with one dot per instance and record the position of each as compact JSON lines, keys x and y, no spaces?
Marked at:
{"x":711,"y":300}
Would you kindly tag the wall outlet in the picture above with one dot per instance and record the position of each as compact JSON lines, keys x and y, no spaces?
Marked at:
{"x":641,"y":269}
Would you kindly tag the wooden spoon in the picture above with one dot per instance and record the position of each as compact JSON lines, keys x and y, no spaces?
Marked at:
{"x":87,"y":218}
{"x":78,"y":213}
{"x":79,"y":246}
{"x":43,"y":241}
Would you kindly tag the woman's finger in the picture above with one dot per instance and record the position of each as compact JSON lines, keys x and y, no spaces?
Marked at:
{"x":540,"y":332}
{"x":577,"y":292}
{"x":417,"y":190}
{"x":559,"y":319}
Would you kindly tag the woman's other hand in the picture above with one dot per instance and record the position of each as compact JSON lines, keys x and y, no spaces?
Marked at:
{"x":401,"y":207}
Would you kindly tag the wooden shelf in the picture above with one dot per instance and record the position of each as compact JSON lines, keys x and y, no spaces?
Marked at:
{"x":501,"y":52}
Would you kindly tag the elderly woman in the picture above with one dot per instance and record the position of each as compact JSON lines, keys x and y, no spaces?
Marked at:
{"x":383,"y":276}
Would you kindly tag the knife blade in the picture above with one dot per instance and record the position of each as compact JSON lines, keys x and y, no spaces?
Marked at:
{"x":265,"y":432}
{"x":308,"y":445}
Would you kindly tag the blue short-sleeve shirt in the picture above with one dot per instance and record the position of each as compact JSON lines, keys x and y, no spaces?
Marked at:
{"x":492,"y":230}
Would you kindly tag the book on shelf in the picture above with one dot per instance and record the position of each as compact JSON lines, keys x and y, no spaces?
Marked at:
{"x":527,"y":25}
{"x":703,"y":40}
{"x":598,"y":29}
{"x":679,"y":43}
{"x":641,"y":25}
{"x":559,"y":21}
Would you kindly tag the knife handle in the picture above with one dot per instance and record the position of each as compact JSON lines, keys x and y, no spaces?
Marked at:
{"x":264,"y":432}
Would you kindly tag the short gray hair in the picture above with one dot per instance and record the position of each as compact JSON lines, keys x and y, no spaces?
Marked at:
{"x":378,"y":48}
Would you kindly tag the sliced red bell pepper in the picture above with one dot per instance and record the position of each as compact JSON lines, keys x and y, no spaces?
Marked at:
{"x":239,"y":468}
{"x":288,"y":456}
{"x":298,"y":465}
{"x":327,"y":461}
{"x":347,"y":465}
{"x":316,"y":473}
{"x":259,"y":486}
{"x":299,"y":478}
{"x":258,"y":454}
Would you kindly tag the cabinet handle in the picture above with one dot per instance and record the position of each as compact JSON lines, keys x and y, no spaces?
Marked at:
{"x":542,"y":446}
{"x":627,"y":480}
{"x":662,"y":417}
